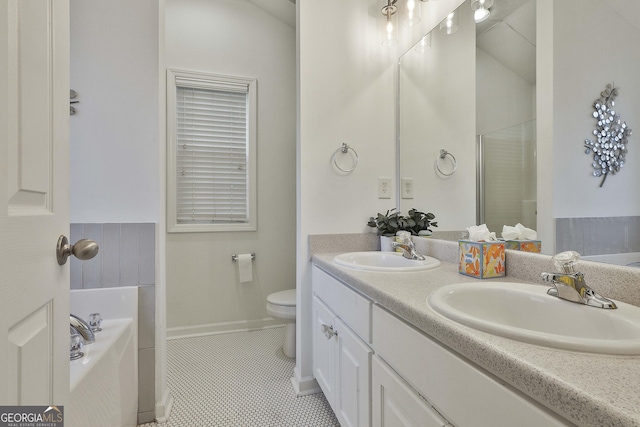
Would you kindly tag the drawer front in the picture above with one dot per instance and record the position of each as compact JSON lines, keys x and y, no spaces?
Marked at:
{"x":461,"y":392}
{"x":348,"y":305}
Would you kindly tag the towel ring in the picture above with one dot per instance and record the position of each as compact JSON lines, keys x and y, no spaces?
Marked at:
{"x":344,"y":150}
{"x":444,"y":153}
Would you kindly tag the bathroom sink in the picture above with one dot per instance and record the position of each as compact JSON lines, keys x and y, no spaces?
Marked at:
{"x":526,"y":313}
{"x":392,"y":262}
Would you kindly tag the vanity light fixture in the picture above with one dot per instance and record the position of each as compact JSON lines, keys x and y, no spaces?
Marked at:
{"x":389,"y":27}
{"x":481,"y":10}
{"x":450,"y":23}
{"x":410,"y":12}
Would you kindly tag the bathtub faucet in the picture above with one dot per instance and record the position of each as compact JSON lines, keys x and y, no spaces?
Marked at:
{"x":82,"y":328}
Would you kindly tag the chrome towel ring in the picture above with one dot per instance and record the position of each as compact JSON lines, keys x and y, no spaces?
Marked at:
{"x":344,"y":150}
{"x":443,"y":154}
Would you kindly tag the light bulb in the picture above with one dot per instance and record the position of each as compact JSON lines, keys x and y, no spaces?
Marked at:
{"x":481,"y":10}
{"x":450,"y":24}
{"x":410,"y":13}
{"x":388,"y":27}
{"x":481,"y":14}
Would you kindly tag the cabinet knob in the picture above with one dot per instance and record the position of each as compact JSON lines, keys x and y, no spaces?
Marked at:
{"x":328,"y":331}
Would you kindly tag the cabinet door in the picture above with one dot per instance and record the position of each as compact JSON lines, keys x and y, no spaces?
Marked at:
{"x":353,"y":406}
{"x":396,"y":404}
{"x":324,"y":350}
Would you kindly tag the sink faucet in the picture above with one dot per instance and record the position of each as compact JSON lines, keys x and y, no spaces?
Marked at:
{"x":82,"y":328}
{"x":408,"y":249}
{"x":570,"y":285}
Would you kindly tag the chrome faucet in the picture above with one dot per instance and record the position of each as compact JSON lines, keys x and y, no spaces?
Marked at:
{"x":570,"y":285}
{"x":408,"y":249}
{"x":82,"y":328}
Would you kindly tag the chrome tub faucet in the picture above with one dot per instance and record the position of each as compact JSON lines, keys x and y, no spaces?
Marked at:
{"x":82,"y":328}
{"x":569,"y":284}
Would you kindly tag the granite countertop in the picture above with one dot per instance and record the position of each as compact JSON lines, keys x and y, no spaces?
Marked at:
{"x":587,"y":389}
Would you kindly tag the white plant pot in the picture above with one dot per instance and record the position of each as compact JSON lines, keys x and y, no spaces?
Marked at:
{"x":385,"y":243}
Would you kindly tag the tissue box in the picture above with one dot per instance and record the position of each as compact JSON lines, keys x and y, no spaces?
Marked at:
{"x":482,"y":260}
{"x":524,"y":245}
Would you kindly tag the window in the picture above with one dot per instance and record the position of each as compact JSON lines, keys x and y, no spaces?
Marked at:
{"x":211,"y":169}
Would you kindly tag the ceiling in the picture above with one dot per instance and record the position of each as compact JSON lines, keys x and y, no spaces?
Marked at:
{"x":509,"y":36}
{"x":284,"y":10}
{"x":629,"y":10}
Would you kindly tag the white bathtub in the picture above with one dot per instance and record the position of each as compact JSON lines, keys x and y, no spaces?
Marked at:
{"x":104,"y":383}
{"x":618,"y":259}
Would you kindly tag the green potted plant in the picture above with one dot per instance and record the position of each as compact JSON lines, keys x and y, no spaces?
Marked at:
{"x":387,"y":224}
{"x":419,"y":223}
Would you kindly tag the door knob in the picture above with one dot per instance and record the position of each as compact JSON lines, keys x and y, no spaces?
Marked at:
{"x":83,"y":249}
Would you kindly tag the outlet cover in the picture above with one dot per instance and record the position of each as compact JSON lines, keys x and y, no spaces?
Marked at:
{"x":406,"y":187}
{"x":384,"y":188}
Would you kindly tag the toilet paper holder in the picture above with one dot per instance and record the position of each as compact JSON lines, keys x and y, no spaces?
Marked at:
{"x":234,"y":257}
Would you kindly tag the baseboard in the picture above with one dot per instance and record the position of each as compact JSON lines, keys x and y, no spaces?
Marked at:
{"x":222,"y":328}
{"x":304,"y":386}
{"x":163,"y":407}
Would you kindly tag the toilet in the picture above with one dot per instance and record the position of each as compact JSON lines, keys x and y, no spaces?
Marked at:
{"x":282,"y":305}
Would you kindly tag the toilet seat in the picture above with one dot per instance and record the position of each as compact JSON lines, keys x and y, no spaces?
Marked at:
{"x":285,"y":298}
{"x":282,"y":305}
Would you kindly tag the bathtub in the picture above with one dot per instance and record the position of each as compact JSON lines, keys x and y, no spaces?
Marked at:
{"x":631,"y":259}
{"x":104,"y":383}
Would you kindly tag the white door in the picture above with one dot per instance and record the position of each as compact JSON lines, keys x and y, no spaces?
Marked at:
{"x":34,"y":201}
{"x":324,"y":349}
{"x":353,"y":401}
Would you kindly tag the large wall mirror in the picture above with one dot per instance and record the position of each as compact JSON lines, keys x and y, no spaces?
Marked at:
{"x":511,"y":100}
{"x":471,"y":93}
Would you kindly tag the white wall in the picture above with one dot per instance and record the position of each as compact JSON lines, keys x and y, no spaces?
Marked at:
{"x":504,"y":99}
{"x":114,"y":135}
{"x":583,"y":64}
{"x":234,"y":37}
{"x":347,"y":93}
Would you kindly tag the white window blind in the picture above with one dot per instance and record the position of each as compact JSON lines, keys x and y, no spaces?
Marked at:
{"x":211,"y":152}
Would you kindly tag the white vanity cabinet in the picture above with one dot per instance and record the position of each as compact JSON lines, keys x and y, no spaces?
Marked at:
{"x":396,"y":404}
{"x":462,"y":392}
{"x":341,"y":357}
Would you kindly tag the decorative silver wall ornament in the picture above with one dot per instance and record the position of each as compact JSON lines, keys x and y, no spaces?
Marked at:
{"x":609,"y":143}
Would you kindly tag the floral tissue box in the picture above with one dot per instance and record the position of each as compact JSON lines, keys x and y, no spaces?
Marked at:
{"x":524,"y":245}
{"x":482,"y":260}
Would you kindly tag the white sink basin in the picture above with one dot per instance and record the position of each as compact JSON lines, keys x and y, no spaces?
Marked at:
{"x":384,"y":261}
{"x":526,"y":313}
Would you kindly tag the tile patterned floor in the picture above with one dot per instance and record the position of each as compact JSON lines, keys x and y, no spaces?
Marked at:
{"x":238,"y":380}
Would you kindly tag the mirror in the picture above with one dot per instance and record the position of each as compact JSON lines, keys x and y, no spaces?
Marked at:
{"x":442,"y":107}
{"x":479,"y":80}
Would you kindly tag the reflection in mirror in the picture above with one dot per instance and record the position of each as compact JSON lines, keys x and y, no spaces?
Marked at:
{"x":507,"y":176}
{"x":505,"y":115}
{"x":479,"y":80}
{"x":437,"y":111}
